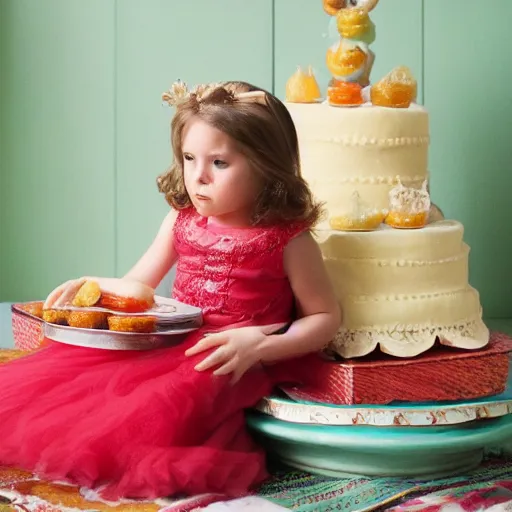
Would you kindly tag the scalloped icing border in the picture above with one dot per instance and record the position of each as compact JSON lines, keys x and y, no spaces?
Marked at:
{"x":410,"y":340}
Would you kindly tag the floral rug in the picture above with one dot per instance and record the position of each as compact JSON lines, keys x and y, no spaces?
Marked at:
{"x":487,"y":487}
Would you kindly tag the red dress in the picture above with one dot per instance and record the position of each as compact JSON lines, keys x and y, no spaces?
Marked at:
{"x":146,"y":424}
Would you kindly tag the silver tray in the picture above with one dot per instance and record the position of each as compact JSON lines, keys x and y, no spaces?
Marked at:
{"x":111,"y":340}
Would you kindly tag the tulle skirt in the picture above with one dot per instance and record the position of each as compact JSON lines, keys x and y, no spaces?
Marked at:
{"x":131,"y":424}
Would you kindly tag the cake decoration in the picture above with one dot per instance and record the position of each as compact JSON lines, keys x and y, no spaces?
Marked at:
{"x":360,"y":218}
{"x":398,"y":89}
{"x":352,"y":23}
{"x":350,"y":59}
{"x":401,"y":290}
{"x":408,"y":207}
{"x":345,"y":94}
{"x":302,"y":87}
{"x":331,"y":7}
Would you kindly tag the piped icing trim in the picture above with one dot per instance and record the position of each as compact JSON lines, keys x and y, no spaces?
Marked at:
{"x":383,"y":180}
{"x":390,"y":142}
{"x":404,"y":263}
{"x":410,"y":340}
{"x":405,"y":297}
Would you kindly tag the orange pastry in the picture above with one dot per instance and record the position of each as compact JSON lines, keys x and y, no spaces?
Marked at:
{"x":302,"y":87}
{"x":140,"y":324}
{"x":398,"y":89}
{"x":88,"y":295}
{"x":124,"y":295}
{"x":88,"y":319}
{"x":56,"y":316}
{"x":33,"y":308}
{"x":345,"y":93}
{"x":408,"y":207}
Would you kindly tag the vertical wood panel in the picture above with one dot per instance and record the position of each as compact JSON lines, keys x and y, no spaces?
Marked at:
{"x":56,"y":206}
{"x":303,"y":36}
{"x":4,"y":124}
{"x":158,"y":42}
{"x":467,"y":92}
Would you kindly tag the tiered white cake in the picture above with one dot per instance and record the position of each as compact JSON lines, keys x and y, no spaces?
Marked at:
{"x":400,"y":289}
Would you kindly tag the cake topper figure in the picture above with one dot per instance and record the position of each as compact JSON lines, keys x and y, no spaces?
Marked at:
{"x":350,"y":58}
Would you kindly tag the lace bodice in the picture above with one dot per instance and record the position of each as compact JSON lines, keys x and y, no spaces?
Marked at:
{"x":235,"y":275}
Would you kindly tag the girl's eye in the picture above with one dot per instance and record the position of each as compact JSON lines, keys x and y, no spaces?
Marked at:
{"x":188,"y":157}
{"x":353,"y":3}
{"x":220,"y":164}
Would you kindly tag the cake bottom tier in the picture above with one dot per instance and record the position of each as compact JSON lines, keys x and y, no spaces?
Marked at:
{"x":410,"y":336}
{"x":401,"y":290}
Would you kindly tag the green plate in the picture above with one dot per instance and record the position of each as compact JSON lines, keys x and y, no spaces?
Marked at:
{"x":340,"y":451}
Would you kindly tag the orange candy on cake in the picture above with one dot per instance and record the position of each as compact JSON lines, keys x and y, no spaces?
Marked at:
{"x":352,"y":22}
{"x":331,"y":7}
{"x":344,"y":59}
{"x":408,"y":207}
{"x":345,"y":94}
{"x":360,"y":218}
{"x":398,"y":89}
{"x":302,"y":87}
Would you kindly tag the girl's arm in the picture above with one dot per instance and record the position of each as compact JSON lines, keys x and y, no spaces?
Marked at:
{"x":150,"y":269}
{"x":159,"y":257}
{"x":241,"y":348}
{"x":319,"y":312}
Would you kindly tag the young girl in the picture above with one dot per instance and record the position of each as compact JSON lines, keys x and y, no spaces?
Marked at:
{"x":171,"y":420}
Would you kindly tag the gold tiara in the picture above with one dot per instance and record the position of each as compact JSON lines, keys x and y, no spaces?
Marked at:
{"x":179,"y":93}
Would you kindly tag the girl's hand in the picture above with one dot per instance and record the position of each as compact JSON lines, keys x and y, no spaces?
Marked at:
{"x":64,"y":293}
{"x":237,"y":351}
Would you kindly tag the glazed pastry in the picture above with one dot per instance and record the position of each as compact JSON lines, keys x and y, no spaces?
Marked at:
{"x":55,"y":316}
{"x":88,"y":319}
{"x":33,"y":308}
{"x":88,"y":295}
{"x":140,"y":324}
{"x":115,"y":294}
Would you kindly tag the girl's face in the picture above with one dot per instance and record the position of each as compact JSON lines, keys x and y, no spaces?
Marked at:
{"x":217,"y":176}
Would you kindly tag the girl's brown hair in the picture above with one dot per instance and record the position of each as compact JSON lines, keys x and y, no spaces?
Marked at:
{"x":264,"y":132}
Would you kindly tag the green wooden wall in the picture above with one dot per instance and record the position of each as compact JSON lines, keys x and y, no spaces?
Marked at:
{"x":83,"y":134}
